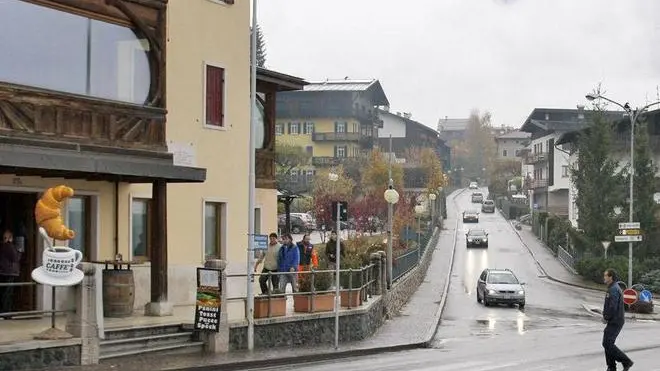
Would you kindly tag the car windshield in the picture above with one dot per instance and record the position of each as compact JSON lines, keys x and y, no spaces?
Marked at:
{"x":477,"y":232}
{"x":488,"y":202}
{"x":471,"y":212}
{"x":502,"y":278}
{"x":476,"y":194}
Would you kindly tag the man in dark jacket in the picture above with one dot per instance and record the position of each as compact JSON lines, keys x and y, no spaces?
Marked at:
{"x":331,"y":250}
{"x":10,"y":269}
{"x":614,"y":317}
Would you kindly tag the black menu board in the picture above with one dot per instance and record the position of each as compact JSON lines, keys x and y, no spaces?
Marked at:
{"x":209,"y":294}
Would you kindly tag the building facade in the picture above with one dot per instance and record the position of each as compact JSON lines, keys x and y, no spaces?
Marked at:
{"x":452,"y":129}
{"x":331,"y":120}
{"x":510,"y":144}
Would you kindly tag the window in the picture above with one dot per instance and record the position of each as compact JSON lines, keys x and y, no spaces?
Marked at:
{"x":309,"y":150}
{"x":340,"y":127}
{"x":340,"y":151}
{"x":79,"y":219}
{"x":73,"y":54}
{"x":310,"y":175}
{"x":309,"y":128}
{"x":215,"y":96}
{"x":504,"y":153}
{"x":294,"y":175}
{"x":294,"y":128}
{"x":279,"y":129}
{"x":214,"y":213}
{"x":141,"y":228}
{"x":564,"y":171}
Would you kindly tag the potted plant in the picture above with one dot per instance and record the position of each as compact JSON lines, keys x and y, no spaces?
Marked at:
{"x":317,"y":300}
{"x":351,"y":282}
{"x":273,"y":305}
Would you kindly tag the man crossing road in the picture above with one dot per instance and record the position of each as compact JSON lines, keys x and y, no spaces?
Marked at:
{"x":614,"y":317}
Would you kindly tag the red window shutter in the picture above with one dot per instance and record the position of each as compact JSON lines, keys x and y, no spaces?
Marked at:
{"x":215,"y":77}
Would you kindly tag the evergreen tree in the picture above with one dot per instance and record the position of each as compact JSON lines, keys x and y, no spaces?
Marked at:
{"x":596,"y":182}
{"x":261,"y":47}
{"x":644,"y":188}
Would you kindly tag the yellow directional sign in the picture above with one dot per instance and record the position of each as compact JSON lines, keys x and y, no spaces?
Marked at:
{"x":630,"y":232}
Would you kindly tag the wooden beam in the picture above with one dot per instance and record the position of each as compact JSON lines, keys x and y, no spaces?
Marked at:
{"x":159,"y":242}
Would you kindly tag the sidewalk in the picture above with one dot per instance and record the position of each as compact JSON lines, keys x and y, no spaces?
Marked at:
{"x":413,"y":328}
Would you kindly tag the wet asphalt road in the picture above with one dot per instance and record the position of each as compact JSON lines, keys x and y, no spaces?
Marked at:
{"x":552,"y":333}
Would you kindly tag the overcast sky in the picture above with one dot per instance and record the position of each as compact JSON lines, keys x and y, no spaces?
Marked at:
{"x":438,"y":58}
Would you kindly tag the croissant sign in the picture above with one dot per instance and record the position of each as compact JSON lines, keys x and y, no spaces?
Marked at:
{"x":59,"y":262}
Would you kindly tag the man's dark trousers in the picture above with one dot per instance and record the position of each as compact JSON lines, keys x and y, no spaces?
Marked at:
{"x":263,"y":280}
{"x":612,"y":352}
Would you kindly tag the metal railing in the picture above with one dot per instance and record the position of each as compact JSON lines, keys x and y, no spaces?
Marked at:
{"x":566,"y":258}
{"x":357,"y":286}
{"x":53,"y":311}
{"x":405,"y":262}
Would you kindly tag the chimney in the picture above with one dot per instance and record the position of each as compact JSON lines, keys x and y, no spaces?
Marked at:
{"x":386,"y":108}
{"x":398,"y":113}
{"x":407,"y":115}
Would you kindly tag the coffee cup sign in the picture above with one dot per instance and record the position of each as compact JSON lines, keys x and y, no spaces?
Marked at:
{"x":58,"y":262}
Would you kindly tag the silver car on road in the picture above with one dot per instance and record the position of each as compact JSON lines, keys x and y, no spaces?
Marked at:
{"x":500,"y":286}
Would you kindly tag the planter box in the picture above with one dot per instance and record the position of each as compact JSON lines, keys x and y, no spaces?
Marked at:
{"x":277,"y":307}
{"x":351,"y":298}
{"x":322,"y":303}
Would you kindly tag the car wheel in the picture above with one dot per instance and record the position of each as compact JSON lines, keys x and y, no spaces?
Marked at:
{"x":521,"y":305}
{"x":295,"y":230}
{"x":478,"y":297}
{"x":486,"y":245}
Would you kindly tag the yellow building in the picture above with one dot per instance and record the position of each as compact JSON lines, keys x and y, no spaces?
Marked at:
{"x":332,"y":120}
{"x":154,"y":143}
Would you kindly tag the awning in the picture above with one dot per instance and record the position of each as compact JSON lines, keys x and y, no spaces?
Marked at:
{"x":69,"y":160}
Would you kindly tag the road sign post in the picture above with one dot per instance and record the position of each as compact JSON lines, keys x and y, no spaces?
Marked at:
{"x":629,"y":296}
{"x":606,"y":245}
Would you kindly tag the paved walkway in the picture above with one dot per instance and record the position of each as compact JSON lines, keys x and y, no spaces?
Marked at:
{"x":413,"y":328}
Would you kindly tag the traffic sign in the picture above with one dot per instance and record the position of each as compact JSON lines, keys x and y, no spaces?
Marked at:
{"x":645,"y":296}
{"x":627,"y":238}
{"x":629,"y":296}
{"x":630,"y":232}
{"x":633,"y":225}
{"x":606,"y":244}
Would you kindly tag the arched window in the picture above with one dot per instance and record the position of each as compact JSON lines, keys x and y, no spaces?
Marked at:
{"x":51,"y":49}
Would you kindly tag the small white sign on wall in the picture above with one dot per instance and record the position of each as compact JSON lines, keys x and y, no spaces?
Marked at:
{"x":183,"y":152}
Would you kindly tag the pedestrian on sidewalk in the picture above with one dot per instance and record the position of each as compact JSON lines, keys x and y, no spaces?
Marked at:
{"x":614,"y":317}
{"x":269,"y":258}
{"x":331,"y":250}
{"x":289,"y":259}
{"x":308,"y":256}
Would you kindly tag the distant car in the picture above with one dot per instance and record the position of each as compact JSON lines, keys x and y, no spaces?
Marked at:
{"x":298,"y":224}
{"x":470,"y":216}
{"x":500,"y":286}
{"x":488,"y":206}
{"x":474,"y":185}
{"x":476,"y":237}
{"x":477,"y":197}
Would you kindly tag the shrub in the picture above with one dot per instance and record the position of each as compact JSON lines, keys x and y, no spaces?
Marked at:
{"x":322,"y":281}
{"x":592,"y":269}
{"x":557,"y":229}
{"x":651,"y":280}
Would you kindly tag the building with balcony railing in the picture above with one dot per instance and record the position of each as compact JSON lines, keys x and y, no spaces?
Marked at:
{"x":331,"y":119}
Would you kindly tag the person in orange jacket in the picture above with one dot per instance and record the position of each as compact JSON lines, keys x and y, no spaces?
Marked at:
{"x":308,"y":256}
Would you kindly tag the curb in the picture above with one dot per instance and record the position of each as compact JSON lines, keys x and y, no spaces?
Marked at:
{"x":443,"y":301}
{"x":597,"y":312}
{"x":332,"y":355}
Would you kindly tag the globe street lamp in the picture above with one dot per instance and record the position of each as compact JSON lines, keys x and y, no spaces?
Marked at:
{"x":633,"y":115}
{"x":392,"y":197}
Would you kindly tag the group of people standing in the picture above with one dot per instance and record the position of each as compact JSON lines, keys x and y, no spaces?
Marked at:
{"x":286,"y":256}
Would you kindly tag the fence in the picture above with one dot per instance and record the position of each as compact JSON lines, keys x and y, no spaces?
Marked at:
{"x":315,"y":290}
{"x":405,"y":262}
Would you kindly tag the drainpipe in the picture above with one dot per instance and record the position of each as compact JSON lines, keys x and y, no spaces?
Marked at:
{"x":116,"y":218}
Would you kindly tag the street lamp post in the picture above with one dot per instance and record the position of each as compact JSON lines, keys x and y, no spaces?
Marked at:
{"x":419,"y":209}
{"x":633,"y":115}
{"x":392,"y":197}
{"x":432,"y":198}
{"x":334,"y":178}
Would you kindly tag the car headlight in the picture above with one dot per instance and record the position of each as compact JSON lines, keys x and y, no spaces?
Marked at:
{"x":485,"y":240}
{"x":492,"y":292}
{"x":521,"y":292}
{"x":470,"y":240}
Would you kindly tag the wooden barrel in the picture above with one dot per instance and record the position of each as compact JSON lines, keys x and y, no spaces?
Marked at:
{"x":118,"y":293}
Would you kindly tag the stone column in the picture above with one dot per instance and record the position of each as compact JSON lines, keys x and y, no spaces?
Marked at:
{"x":83,"y":323}
{"x":218,"y":342}
{"x":378,"y":273}
{"x":383,"y":275}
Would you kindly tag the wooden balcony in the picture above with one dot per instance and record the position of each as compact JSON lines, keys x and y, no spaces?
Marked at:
{"x":41,"y":114}
{"x":337,"y":137}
